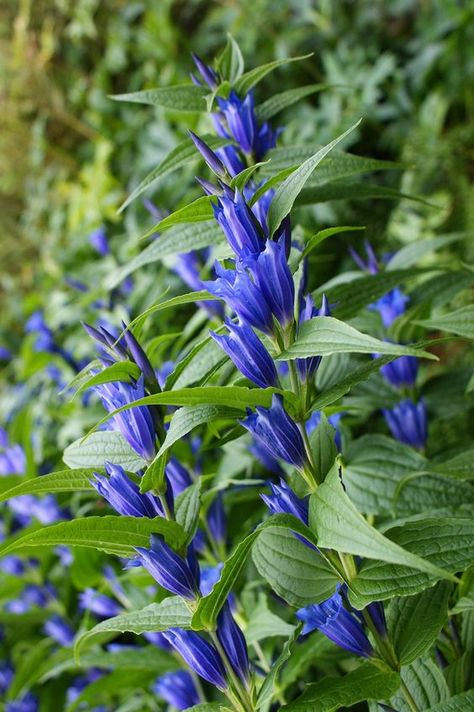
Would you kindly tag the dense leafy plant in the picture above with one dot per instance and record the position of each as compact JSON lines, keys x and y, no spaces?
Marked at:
{"x":283,"y":471}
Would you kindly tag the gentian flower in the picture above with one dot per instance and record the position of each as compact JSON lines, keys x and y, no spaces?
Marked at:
{"x":5,"y":354}
{"x":135,"y":424}
{"x":201,"y":656}
{"x":139,"y":356}
{"x":408,"y":422}
{"x":175,"y":574}
{"x":243,"y":296}
{"x":216,"y":519}
{"x":334,"y":420}
{"x":370,"y":264}
{"x":124,"y":495}
{"x":230,"y":157}
{"x":45,"y":509}
{"x":207,"y":73}
{"x":98,"y":603}
{"x":284,"y":501}
{"x":248,"y":353}
{"x":239,"y":224}
{"x":178,"y":476}
{"x":210,"y":156}
{"x":233,"y":642}
{"x":277,"y":432}
{"x":340,"y":626}
{"x":57,"y":628}
{"x":178,"y":689}
{"x":188,"y":268}
{"x":44,"y":336}
{"x":401,"y":372}
{"x":12,"y":460}
{"x":28,"y":703}
{"x":390,"y":306}
{"x":274,"y":280}
{"x":237,"y":119}
{"x":307,"y":367}
{"x":98,"y":240}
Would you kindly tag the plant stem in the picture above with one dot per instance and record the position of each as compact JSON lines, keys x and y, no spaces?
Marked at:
{"x":408,"y":697}
{"x":241,"y":694}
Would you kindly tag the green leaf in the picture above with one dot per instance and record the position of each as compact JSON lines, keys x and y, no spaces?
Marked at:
{"x":231,"y":63}
{"x":120,"y":371}
{"x":187,"y":418}
{"x":241,"y":179}
{"x":197,"y":211}
{"x":112,"y":534}
{"x":62,"y":481}
{"x":295,"y":572}
{"x":110,"y":685}
{"x":265,"y":693}
{"x":287,"y":192}
{"x":324,"y":335}
{"x":180,"y":156}
{"x":460,"y":466}
{"x":410,"y":254}
{"x":26,"y":670}
{"x":201,"y":360}
{"x":415,"y":622}
{"x":464,"y":702}
{"x":251,"y":78}
{"x":426,"y":684}
{"x":189,"y":298}
{"x":322,"y":235}
{"x":106,"y":445}
{"x":154,"y":476}
{"x":184,"y":97}
{"x":323,"y":448}
{"x":264,"y":624}
{"x":187,"y":507}
{"x":170,"y":613}
{"x":332,"y":693}
{"x":287,"y":98}
{"x":459,"y":322}
{"x":178,"y":239}
{"x":340,"y":526}
{"x":443,"y":541}
{"x":350,"y":190}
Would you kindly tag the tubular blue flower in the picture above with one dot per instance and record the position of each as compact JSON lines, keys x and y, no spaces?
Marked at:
{"x":44,"y":336}
{"x":5,"y":354}
{"x":139,"y":356}
{"x":408,"y":422}
{"x":277,"y":432}
{"x":135,"y":424}
{"x":45,"y":510}
{"x":178,"y":689}
{"x":201,"y":656}
{"x":187,"y":267}
{"x":178,"y":476}
{"x":307,"y":367}
{"x":12,"y":565}
{"x":239,"y":224}
{"x":57,"y":628}
{"x":390,"y":306}
{"x":98,"y":240}
{"x":216,"y":519}
{"x":248,"y":353}
{"x":27,"y":703}
{"x":340,"y":626}
{"x":233,"y":642}
{"x":371,"y":264}
{"x":210,"y":156}
{"x":108,"y":344}
{"x":98,"y":603}
{"x":12,"y":460}
{"x":124,"y":495}
{"x":274,"y":280}
{"x":243,"y":296}
{"x":334,"y":420}
{"x":241,"y":124}
{"x":175,"y":574}
{"x":207,"y":73}
{"x":284,"y":501}
{"x":401,"y":372}
{"x":231,"y":159}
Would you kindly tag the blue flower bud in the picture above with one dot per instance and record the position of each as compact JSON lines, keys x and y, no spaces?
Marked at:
{"x":175,"y":574}
{"x":207,"y":73}
{"x":139,"y":356}
{"x":408,"y":422}
{"x":233,"y":642}
{"x":284,"y":501}
{"x":277,"y":432}
{"x":241,"y":119}
{"x":178,"y":689}
{"x":401,"y":372}
{"x":178,"y":476}
{"x":241,"y":228}
{"x":57,"y":628}
{"x":201,"y":656}
{"x":371,"y":264}
{"x":216,"y":519}
{"x":98,"y":603}
{"x":125,"y":496}
{"x":390,"y":306}
{"x":231,"y":159}
{"x":340,"y":626}
{"x":98,"y":240}
{"x":307,"y":367}
{"x":248,"y":353}
{"x":210,"y":156}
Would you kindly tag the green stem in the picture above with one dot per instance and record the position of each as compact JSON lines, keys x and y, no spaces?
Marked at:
{"x":168,"y":513}
{"x":408,"y":697}
{"x":241,"y":696}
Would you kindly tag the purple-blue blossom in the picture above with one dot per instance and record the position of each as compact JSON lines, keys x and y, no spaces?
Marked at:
{"x":408,"y":422}
{"x":58,"y":629}
{"x":233,"y":642}
{"x":283,"y":500}
{"x":124,"y":495}
{"x":178,"y":689}
{"x":98,"y":603}
{"x":175,"y":573}
{"x":200,"y":655}
{"x":240,"y":226}
{"x":401,"y":372}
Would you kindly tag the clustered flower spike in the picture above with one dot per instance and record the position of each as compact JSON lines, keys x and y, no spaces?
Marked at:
{"x":408,"y":422}
{"x":173,"y":572}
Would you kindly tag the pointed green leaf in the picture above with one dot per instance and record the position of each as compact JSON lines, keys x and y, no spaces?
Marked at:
{"x":287,"y":98}
{"x":252,"y":77}
{"x":184,"y":97}
{"x":459,"y":322}
{"x":62,"y":481}
{"x":106,"y":445}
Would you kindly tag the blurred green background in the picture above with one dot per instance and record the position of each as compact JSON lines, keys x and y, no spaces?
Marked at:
{"x":70,"y":155}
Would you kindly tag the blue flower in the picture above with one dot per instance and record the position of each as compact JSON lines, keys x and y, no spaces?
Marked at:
{"x":277,"y":432}
{"x":135,"y":424}
{"x":243,"y":296}
{"x":241,"y":124}
{"x":240,"y":226}
{"x":98,"y":240}
{"x":124,"y":495}
{"x":408,"y":422}
{"x":401,"y":372}
{"x":178,"y":476}
{"x":210,"y":156}
{"x":45,"y":509}
{"x":274,"y":280}
{"x":207,"y":73}
{"x":57,"y":628}
{"x":6,"y":676}
{"x":248,"y":353}
{"x":371,"y":264}
{"x":216,"y":519}
{"x":233,"y":642}
{"x":390,"y":306}
{"x":157,"y":638}
{"x":98,"y":603}
{"x":44,"y":336}
{"x":340,"y":626}
{"x":12,"y":460}
{"x":178,"y":689}
{"x":284,"y":501}
{"x":307,"y":367}
{"x":28,"y":703}
{"x":5,"y":354}
{"x":188,"y":268}
{"x":230,"y":157}
{"x":334,"y":420}
{"x":201,"y":656}
{"x":175,"y":574}
{"x":139,"y":356}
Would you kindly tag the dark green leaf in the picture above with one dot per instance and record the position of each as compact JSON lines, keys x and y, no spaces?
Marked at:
{"x":106,"y":445}
{"x":251,"y":78}
{"x":63,"y":481}
{"x":184,"y":97}
{"x":459,"y":322}
{"x":287,"y":98}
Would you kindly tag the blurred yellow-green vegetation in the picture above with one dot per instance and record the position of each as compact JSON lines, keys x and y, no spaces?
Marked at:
{"x":70,"y":155}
